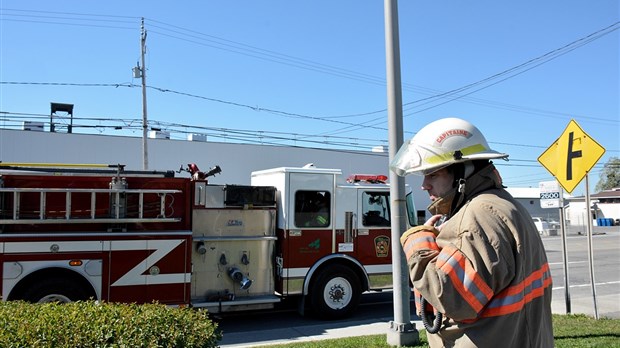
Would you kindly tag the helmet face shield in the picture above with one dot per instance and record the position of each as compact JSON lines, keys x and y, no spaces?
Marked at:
{"x":440,"y":144}
{"x":409,"y":161}
{"x":406,"y":158}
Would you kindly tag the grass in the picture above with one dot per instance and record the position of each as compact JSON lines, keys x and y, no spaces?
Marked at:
{"x":569,"y":331}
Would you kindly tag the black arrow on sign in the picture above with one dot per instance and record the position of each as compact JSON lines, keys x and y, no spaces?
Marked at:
{"x":571,"y":155}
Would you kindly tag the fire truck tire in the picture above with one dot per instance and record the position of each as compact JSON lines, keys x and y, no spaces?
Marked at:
{"x":55,"y":290}
{"x":335,"y":293}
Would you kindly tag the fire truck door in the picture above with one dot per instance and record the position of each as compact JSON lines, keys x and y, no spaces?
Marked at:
{"x":372,"y":244}
{"x":310,"y":218}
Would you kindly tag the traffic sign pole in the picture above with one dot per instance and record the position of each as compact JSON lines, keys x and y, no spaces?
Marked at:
{"x":590,"y":252}
{"x":564,"y":254}
{"x":552,"y":196}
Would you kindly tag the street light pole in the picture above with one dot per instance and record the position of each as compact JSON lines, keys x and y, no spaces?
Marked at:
{"x":402,"y":331}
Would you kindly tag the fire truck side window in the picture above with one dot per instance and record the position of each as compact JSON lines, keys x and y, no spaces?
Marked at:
{"x":375,"y":209}
{"x":312,"y":208}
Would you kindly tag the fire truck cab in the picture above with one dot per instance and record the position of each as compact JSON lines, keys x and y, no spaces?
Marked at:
{"x":334,"y":236}
{"x":123,"y":236}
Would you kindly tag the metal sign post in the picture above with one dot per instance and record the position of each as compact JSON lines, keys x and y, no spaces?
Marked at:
{"x":590,"y":252}
{"x":565,"y":260}
{"x":551,"y":196}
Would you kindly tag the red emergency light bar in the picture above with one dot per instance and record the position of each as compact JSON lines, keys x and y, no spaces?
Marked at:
{"x":372,"y":179}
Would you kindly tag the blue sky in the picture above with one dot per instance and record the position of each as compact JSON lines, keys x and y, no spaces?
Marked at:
{"x":312,"y":73}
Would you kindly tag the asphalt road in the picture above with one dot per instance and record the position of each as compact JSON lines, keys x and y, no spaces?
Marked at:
{"x":283,"y":324}
{"x":606,"y":266}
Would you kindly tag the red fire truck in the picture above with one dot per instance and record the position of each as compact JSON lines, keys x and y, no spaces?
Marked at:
{"x":115,"y":235}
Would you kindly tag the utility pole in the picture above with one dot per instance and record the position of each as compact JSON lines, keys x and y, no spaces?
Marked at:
{"x":401,"y":331}
{"x":145,"y":155}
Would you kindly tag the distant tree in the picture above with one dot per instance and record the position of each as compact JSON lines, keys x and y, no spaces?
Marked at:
{"x":610,"y":175}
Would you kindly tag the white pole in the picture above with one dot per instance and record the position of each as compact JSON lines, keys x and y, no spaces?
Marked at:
{"x":401,"y":331}
{"x":563,"y":231}
{"x":590,"y":252}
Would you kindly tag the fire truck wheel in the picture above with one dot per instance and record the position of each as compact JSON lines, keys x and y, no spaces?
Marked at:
{"x":335,"y":293}
{"x":54,"y":290}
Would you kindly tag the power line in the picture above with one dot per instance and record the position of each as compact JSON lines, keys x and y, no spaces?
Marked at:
{"x":453,"y":94}
{"x":253,"y":51}
{"x":63,"y":21}
{"x":254,"y":108}
{"x":512,"y":72}
{"x":249,"y":136}
{"x":304,"y":63}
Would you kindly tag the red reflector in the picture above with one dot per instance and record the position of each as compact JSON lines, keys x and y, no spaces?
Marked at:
{"x":372,"y":179}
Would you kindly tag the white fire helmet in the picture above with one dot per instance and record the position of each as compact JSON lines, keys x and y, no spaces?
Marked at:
{"x":440,"y":144}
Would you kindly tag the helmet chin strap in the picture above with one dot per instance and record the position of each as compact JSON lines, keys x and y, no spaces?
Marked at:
{"x":467,"y":171}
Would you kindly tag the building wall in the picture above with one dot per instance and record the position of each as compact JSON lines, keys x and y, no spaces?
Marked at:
{"x":533,"y":207}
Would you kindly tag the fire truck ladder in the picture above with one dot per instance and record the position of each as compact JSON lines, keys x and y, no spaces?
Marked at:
{"x":117,"y":215}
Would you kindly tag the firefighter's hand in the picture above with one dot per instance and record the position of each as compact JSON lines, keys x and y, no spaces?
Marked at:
{"x":436,"y":221}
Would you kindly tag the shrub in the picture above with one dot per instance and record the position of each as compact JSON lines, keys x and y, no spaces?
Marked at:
{"x":95,"y":324}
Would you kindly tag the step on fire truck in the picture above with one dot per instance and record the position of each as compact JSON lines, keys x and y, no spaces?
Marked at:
{"x":75,"y":233}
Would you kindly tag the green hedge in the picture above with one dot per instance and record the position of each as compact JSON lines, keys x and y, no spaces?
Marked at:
{"x":94,"y":324}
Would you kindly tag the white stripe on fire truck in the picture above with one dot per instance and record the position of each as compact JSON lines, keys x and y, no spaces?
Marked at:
{"x":46,"y":247}
{"x":370,"y":269}
{"x":135,"y":276}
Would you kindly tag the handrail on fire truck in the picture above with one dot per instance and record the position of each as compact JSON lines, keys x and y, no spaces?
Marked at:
{"x":115,"y":197}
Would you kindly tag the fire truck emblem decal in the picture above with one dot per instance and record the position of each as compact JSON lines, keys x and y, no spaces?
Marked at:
{"x":382,"y":246}
{"x":315,"y":245}
{"x":312,"y":247}
{"x":136,"y":275}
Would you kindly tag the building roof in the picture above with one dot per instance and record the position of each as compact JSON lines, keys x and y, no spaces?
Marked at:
{"x":613,"y":193}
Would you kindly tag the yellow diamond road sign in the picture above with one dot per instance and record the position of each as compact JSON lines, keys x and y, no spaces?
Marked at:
{"x":571,"y":156}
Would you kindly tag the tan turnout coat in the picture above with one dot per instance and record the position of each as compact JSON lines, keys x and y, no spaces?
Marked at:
{"x":486,"y":271}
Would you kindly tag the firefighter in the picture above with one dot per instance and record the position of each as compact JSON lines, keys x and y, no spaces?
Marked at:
{"x":321,"y":211}
{"x":484,"y":268}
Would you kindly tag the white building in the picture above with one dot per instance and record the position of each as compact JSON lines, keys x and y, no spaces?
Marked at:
{"x":604,"y":209}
